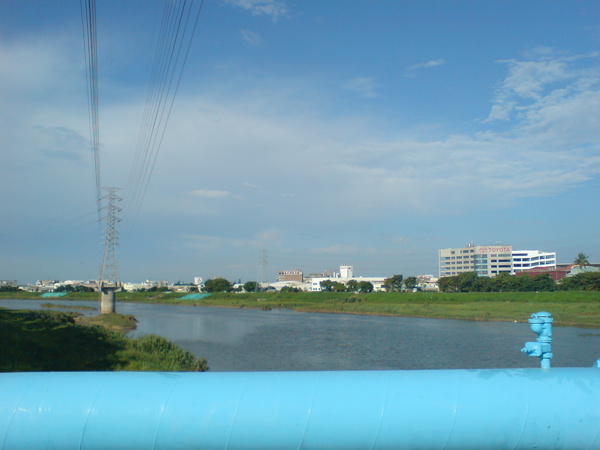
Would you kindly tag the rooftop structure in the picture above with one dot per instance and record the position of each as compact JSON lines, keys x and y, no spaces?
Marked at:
{"x":290,"y":275}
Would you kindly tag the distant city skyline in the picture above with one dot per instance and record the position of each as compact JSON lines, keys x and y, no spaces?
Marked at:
{"x":332,"y":132}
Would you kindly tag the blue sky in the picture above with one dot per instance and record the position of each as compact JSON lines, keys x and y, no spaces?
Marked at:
{"x":326,"y":132}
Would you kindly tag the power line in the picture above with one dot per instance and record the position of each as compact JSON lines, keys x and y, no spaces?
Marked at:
{"x":177,"y":31}
{"x":180,"y":20}
{"x":88,"y":21}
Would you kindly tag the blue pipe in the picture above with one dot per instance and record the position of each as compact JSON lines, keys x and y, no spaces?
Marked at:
{"x":541,"y":324}
{"x":508,"y":408}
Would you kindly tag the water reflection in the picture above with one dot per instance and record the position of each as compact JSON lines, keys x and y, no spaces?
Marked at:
{"x":248,"y":340}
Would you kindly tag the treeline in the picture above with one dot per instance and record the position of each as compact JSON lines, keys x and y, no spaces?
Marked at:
{"x":504,"y":282}
{"x":363,"y":287}
{"x":9,"y":289}
{"x":70,"y":288}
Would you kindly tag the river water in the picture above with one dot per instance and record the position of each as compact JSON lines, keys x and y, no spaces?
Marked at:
{"x":254,"y":340}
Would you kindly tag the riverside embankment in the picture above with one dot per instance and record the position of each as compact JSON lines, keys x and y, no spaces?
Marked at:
{"x":569,"y":308}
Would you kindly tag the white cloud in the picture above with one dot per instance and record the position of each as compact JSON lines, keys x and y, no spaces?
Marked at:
{"x":428,"y":64}
{"x":537,"y":83}
{"x":223,"y":243}
{"x":365,"y":86}
{"x":295,"y":163}
{"x":251,"y":37}
{"x":338,"y":249}
{"x":272,"y":8}
{"x":206,"y":193}
{"x":213,"y":243}
{"x":344,"y":169}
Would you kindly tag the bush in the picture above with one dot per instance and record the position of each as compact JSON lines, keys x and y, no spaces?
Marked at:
{"x":154,"y":352}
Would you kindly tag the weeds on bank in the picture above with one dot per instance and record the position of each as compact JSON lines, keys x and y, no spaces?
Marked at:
{"x":52,"y":341}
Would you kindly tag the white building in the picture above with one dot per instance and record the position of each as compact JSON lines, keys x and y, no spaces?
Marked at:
{"x":530,"y":259}
{"x":346,"y":271}
{"x":491,"y":260}
{"x":346,"y":274}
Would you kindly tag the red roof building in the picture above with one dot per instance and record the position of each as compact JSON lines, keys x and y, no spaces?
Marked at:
{"x":556,"y":273}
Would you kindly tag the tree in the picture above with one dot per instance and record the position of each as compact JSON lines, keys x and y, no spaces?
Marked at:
{"x":542,"y":282}
{"x":591,"y":281}
{"x":9,"y":288}
{"x":289,"y":289}
{"x":523,"y":283}
{"x":218,"y":285}
{"x":339,"y":287}
{"x":393,"y":283}
{"x":468,"y":282}
{"x":250,"y":286}
{"x":410,"y":283}
{"x":504,"y":282}
{"x":581,"y":260}
{"x":73,"y":288}
{"x":326,"y":285}
{"x":351,"y":286}
{"x":585,"y":281}
{"x":364,"y":287}
{"x":332,"y":286}
{"x":448,"y":284}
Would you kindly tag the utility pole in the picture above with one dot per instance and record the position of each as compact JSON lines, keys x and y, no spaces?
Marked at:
{"x":108,"y":283}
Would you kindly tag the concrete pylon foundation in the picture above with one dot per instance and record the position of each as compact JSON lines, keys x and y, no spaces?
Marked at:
{"x":108,"y":297}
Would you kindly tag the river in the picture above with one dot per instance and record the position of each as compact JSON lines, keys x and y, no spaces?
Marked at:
{"x":254,"y":340}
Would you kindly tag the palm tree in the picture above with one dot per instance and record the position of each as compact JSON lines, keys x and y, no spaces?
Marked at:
{"x":581,"y":260}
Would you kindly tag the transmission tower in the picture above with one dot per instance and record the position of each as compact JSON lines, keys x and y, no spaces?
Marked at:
{"x":110,"y":268}
{"x":108,"y":282}
{"x":262,"y":271}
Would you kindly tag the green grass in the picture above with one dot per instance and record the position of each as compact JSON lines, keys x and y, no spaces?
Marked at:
{"x":69,"y":307}
{"x":578,"y":308}
{"x":112,"y":321}
{"x":52,"y":341}
{"x":569,"y":308}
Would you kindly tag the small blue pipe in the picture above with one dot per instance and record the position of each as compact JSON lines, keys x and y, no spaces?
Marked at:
{"x":428,"y":409}
{"x":541,"y":324}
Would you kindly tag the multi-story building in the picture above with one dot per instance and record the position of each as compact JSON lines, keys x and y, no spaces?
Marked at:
{"x":346,"y":271}
{"x":291,"y":275}
{"x":530,"y":259}
{"x":491,"y":260}
{"x":345,"y":274}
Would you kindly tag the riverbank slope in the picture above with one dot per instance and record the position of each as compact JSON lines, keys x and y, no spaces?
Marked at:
{"x":52,"y":341}
{"x":569,"y":308}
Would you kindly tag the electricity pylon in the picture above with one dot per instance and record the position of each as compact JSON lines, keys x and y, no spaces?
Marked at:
{"x":262,"y":271}
{"x":108,"y":283}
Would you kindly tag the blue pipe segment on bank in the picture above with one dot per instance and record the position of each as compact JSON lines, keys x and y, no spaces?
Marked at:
{"x":509,"y":408}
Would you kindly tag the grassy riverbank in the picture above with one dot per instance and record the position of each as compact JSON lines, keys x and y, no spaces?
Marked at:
{"x":569,"y":308}
{"x":112,"y":321}
{"x":52,"y":341}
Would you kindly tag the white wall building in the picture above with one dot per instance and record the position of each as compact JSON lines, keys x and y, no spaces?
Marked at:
{"x":529,"y":259}
{"x":346,"y":274}
{"x":346,"y":271}
{"x":377,"y":282}
{"x":491,"y":260}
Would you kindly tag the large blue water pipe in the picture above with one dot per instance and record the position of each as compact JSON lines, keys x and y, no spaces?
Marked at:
{"x":428,"y":409}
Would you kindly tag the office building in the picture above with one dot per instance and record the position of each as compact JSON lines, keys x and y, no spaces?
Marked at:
{"x":491,"y":260}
